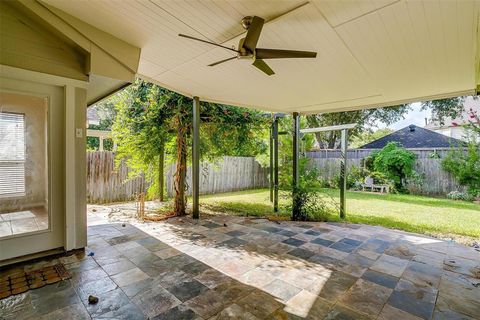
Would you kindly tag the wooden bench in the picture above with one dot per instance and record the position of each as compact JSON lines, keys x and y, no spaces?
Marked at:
{"x":369,"y":184}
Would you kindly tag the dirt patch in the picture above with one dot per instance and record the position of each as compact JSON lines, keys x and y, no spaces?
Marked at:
{"x":127,"y":211}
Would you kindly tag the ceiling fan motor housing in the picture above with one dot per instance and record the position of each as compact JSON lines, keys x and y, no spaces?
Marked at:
{"x":246,"y":21}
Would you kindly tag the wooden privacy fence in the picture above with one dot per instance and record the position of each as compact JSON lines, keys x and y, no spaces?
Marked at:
{"x":435,"y":181}
{"x":363,"y":153}
{"x":229,"y":174}
{"x":105,"y":183}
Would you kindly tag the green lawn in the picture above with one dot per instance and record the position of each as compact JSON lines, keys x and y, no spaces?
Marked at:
{"x":406,"y":212}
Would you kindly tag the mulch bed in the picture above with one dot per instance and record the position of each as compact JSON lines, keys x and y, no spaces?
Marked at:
{"x":20,"y":282}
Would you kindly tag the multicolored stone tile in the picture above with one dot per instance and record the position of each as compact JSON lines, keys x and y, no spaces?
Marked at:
{"x":391,"y":265}
{"x":256,"y":269}
{"x":281,"y":290}
{"x":366,"y":297}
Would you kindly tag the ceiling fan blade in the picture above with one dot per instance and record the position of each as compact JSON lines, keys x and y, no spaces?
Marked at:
{"x":260,"y":64}
{"x":253,"y":33}
{"x":221,"y":61}
{"x":280,"y":54}
{"x":205,"y":41}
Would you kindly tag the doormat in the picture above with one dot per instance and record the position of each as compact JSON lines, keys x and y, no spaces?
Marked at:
{"x":20,"y":282}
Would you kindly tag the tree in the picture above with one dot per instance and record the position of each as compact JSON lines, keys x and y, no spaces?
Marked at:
{"x":474,"y":124}
{"x":464,"y":163}
{"x":365,"y":120}
{"x":151,"y":119}
{"x":368,"y":136}
{"x":441,"y":110}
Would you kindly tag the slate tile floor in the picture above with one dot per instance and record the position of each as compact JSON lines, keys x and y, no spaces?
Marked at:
{"x":256,"y":269}
{"x":30,"y":220}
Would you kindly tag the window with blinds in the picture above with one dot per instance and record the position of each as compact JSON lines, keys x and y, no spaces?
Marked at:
{"x":12,"y":154}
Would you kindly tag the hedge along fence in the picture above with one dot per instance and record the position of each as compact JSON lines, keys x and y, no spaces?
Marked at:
{"x":106,"y":184}
{"x":435,"y":180}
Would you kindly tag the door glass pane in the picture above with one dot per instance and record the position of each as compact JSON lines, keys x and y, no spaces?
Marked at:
{"x":23,"y":165}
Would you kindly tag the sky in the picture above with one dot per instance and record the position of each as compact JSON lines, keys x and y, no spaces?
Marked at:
{"x":415,"y":116}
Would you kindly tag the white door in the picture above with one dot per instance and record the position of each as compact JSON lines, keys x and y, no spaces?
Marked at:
{"x":32,"y":119}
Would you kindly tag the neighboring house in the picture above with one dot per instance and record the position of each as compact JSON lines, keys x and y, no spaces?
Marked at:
{"x":92,"y":116}
{"x":455,"y":128}
{"x":413,"y":137}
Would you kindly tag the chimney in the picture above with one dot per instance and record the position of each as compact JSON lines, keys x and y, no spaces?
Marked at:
{"x":426,"y":122}
{"x":411,"y":127}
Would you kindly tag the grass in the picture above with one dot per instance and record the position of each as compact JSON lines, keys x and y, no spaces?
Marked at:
{"x":420,"y":214}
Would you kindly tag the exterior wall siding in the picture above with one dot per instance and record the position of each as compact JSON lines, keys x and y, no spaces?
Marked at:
{"x":26,"y":44}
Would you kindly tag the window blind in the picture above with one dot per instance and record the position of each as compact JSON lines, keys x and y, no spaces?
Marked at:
{"x":12,"y":154}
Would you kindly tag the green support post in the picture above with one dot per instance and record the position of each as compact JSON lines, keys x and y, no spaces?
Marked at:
{"x":296,"y":149}
{"x":343,"y":173}
{"x":161,"y":175}
{"x":275,"y":165}
{"x":271,"y":164}
{"x":196,"y":158}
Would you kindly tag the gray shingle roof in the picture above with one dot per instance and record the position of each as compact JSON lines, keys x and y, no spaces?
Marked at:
{"x":414,"y":137}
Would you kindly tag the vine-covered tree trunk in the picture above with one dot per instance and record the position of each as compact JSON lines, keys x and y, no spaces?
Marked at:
{"x":181,"y":170}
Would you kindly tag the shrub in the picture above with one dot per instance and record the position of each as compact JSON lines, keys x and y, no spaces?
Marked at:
{"x":355,"y":175}
{"x":378,"y":177}
{"x":395,"y":162}
{"x":308,"y":204}
{"x":457,"y":195}
{"x":434,"y":155}
{"x":464,"y":165}
{"x":307,"y":201}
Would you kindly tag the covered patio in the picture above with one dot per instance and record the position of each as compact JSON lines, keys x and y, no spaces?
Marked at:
{"x":71,"y":54}
{"x":226,"y":267}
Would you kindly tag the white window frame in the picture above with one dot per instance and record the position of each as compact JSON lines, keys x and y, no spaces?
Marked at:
{"x":19,"y":163}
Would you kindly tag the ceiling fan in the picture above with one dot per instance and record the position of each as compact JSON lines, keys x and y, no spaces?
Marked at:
{"x":247,"y":47}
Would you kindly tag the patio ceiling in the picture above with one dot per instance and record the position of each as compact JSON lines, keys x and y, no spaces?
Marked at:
{"x":370,"y":53}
